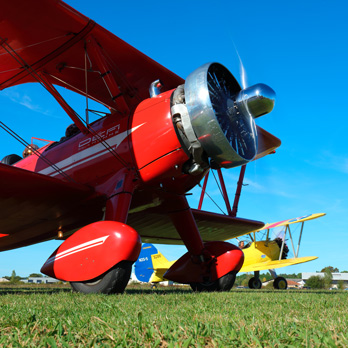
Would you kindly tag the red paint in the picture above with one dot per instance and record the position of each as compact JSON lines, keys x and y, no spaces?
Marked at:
{"x":130,"y":160}
{"x":93,"y":250}
{"x":224,"y":258}
{"x":185,"y":224}
{"x":203,"y":191}
{"x":238,"y":190}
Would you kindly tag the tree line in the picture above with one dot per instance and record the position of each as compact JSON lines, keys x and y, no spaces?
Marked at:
{"x":15,"y":279}
{"x":314,"y":282}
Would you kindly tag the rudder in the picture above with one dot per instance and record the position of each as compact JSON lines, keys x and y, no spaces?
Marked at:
{"x":143,"y":267}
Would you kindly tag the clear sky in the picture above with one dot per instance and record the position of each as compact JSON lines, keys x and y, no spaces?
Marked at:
{"x":299,"y":48}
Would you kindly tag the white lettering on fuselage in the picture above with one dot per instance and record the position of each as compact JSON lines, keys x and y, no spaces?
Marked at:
{"x":103,"y":135}
{"x":89,"y":153}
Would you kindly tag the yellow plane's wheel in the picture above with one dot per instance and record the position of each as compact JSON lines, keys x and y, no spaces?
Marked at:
{"x":255,"y":283}
{"x":280,"y":283}
{"x":224,"y":283}
{"x":114,"y":281}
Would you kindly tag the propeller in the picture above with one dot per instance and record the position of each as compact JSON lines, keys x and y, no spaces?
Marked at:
{"x":222,"y":114}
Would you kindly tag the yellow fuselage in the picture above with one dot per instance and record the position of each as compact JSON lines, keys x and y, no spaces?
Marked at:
{"x":259,"y":252}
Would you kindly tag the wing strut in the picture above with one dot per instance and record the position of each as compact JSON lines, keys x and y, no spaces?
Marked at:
{"x":105,"y":73}
{"x":299,"y":239}
{"x":203,"y":191}
{"x":238,"y":190}
{"x":33,"y":68}
{"x":281,"y":249}
{"x":231,"y":212}
{"x":67,"y":108}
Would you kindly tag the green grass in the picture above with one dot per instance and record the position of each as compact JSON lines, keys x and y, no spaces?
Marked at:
{"x":48,"y":317}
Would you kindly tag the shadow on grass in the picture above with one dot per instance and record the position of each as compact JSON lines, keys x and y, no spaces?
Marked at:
{"x":32,"y":291}
{"x":141,"y":290}
{"x":161,"y":291}
{"x":289,"y":291}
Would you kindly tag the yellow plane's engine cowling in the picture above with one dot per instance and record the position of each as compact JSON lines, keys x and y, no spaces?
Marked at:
{"x":214,"y":117}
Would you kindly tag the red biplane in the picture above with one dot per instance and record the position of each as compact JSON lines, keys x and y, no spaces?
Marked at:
{"x":110,"y":184}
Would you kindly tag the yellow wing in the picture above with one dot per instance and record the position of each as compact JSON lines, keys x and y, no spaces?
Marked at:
{"x":262,"y":266}
{"x":291,"y":221}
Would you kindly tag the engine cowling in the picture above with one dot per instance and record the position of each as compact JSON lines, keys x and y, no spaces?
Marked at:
{"x":214,"y":117}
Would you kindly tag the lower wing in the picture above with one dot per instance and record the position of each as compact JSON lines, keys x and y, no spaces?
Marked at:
{"x":262,"y":266}
{"x":156,"y":227}
{"x":34,"y":207}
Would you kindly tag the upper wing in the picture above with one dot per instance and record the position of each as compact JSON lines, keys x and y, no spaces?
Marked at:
{"x":50,"y":37}
{"x":156,"y":227}
{"x":292,"y":221}
{"x":34,"y":207}
{"x":47,"y":40}
{"x":262,"y":266}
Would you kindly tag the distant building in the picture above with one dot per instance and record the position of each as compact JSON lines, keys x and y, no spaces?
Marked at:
{"x":292,"y":283}
{"x":40,"y":280}
{"x":336,"y":277}
{"x":3,"y":280}
{"x":295,"y":283}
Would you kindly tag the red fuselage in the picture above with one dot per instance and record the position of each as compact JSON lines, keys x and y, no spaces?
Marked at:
{"x":146,"y":142}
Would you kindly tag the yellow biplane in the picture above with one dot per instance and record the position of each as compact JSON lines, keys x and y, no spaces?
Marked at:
{"x":259,"y":255}
{"x":151,"y":265}
{"x":269,"y":254}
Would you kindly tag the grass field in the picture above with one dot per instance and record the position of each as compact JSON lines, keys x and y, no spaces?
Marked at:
{"x":170,"y":317}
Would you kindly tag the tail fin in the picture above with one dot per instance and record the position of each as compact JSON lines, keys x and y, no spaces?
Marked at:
{"x":159,"y":261}
{"x":143,"y":267}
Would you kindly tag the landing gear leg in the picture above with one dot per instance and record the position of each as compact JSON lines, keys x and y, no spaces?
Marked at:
{"x":210,"y":266}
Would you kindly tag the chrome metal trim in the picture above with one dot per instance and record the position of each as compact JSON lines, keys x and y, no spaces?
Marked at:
{"x":155,"y":88}
{"x":207,"y":124}
{"x":256,"y":100}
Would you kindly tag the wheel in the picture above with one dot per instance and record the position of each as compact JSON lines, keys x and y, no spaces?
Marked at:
{"x":114,"y":281}
{"x":255,"y":283}
{"x":11,"y":159}
{"x":224,"y":283}
{"x":280,"y":283}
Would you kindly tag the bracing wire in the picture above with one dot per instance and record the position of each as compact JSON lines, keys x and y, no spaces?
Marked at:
{"x":217,"y":184}
{"x":33,"y":73}
{"x":206,"y":193}
{"x":37,"y":153}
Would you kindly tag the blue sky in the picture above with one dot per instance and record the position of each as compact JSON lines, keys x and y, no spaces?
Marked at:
{"x":298,"y":48}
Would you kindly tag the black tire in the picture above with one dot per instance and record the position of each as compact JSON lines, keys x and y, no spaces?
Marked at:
{"x":114,"y":281}
{"x":280,"y":283}
{"x":224,"y":283}
{"x":11,"y":159}
{"x":255,"y":283}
